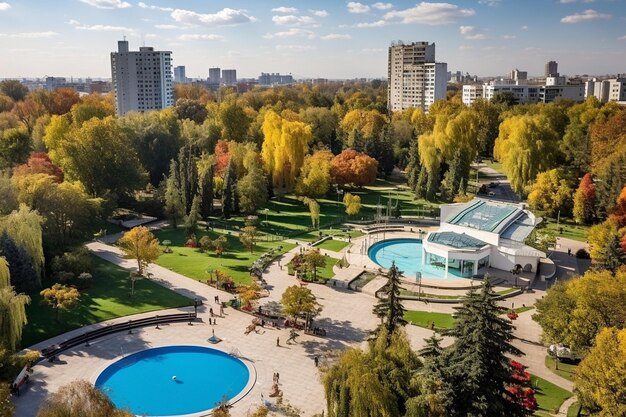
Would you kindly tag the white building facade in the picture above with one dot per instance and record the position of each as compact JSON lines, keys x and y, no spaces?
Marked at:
{"x":142,"y":80}
{"x":415,"y":79}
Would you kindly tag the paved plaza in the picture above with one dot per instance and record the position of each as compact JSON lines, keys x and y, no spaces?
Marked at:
{"x":346,"y":316}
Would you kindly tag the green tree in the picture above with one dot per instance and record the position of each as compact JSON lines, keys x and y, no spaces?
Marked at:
{"x":323,"y":124}
{"x":7,"y":408}
{"x":24,"y":226}
{"x":389,"y":308}
{"x":604,"y":242}
{"x":352,"y":203}
{"x":14,"y":89}
{"x":191,"y":109}
{"x":235,"y":122}
{"x":252,"y":188}
{"x":313,"y":259}
{"x":314,"y":180}
{"x":15,"y":146}
{"x":191,"y":221}
{"x":220,"y":244}
{"x":174,"y":207}
{"x":60,"y":297}
{"x":601,"y":377}
{"x":79,"y":398}
{"x":248,"y":236}
{"x":475,"y":370}
{"x":550,"y":193}
{"x":230,"y":198}
{"x":314,"y":211}
{"x":12,"y":313}
{"x":205,"y":185}
{"x":298,"y":301}
{"x":140,"y":244}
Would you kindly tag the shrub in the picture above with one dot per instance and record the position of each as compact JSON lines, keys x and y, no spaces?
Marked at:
{"x":582,"y":254}
{"x":75,"y":262}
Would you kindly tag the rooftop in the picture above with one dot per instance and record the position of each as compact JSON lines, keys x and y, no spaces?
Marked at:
{"x":456,"y":240}
{"x":485,"y":215}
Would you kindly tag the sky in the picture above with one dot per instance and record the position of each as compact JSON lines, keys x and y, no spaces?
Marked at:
{"x":310,"y":39}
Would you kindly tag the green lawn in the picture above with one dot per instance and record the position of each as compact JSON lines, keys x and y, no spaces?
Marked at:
{"x":451,"y":297}
{"x":571,"y":230}
{"x":323,"y":274}
{"x":566,"y":370}
{"x":108,"y":298}
{"x":193,"y":264}
{"x":523,"y":309}
{"x":425,"y":318}
{"x":549,"y":396}
{"x":496,"y":166}
{"x":334,"y":245}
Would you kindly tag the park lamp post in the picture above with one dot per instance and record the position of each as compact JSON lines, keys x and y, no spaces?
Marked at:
{"x":418,"y":277}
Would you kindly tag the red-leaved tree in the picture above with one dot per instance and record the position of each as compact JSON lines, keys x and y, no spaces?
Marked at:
{"x":585,"y":200}
{"x":40,"y":163}
{"x":520,"y":391}
{"x":352,"y":167}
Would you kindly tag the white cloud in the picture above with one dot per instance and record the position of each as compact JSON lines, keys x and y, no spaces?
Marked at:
{"x":525,"y":27}
{"x":586,"y":16}
{"x":429,"y":14}
{"x":200,"y":37}
{"x":509,"y":37}
{"x":319,"y":13}
{"x":356,"y":7}
{"x":168,"y":27}
{"x":566,"y":1}
{"x":4,"y":6}
{"x":148,"y":6}
{"x":335,"y":36}
{"x":376,"y":24}
{"x":490,"y":3}
{"x":99,"y":28}
{"x":372,"y":50}
{"x":286,"y":10}
{"x":151,"y":36}
{"x":382,"y":6}
{"x":29,"y":35}
{"x":107,"y":4}
{"x":294,"y":47}
{"x":293,"y":20}
{"x":465,"y":47}
{"x":469,"y":32}
{"x":292,"y":32}
{"x":224,"y":17}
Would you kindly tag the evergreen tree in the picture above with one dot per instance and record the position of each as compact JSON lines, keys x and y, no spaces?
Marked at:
{"x":389,"y":308}
{"x":230,"y":200}
{"x":191,"y":222}
{"x":23,"y":275}
{"x":205,"y":188}
{"x":414,"y":167}
{"x":188,"y":175}
{"x":422,"y":183}
{"x":613,"y":255}
{"x":433,"y":348}
{"x":474,"y":371}
{"x":174,"y":206}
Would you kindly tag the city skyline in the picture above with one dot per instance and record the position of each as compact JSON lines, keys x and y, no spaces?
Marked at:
{"x":327,"y":39}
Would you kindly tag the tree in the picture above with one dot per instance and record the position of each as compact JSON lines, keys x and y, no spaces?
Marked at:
{"x":389,"y":308}
{"x":550,"y":193}
{"x":7,"y":408}
{"x":40,"y":163}
{"x":93,"y":105}
{"x":248,"y":293}
{"x":475,"y":370}
{"x":191,"y":222}
{"x":220,"y":244}
{"x":12,"y":312}
{"x":174,"y":207}
{"x":526,"y":146}
{"x":314,"y":180}
{"x":14,"y":89}
{"x":284,"y":146}
{"x":23,"y":275}
{"x":140,"y":244}
{"x":8,"y":195}
{"x":252,"y":188}
{"x":248,"y":236}
{"x":352,"y":203}
{"x":205,"y":185}
{"x":313,"y":259}
{"x":230,"y":199}
{"x":79,"y":398}
{"x":298,"y":301}
{"x":352,"y":167}
{"x":314,"y":211}
{"x":60,"y":297}
{"x":191,"y":109}
{"x":62,"y":99}
{"x":585,"y":200}
{"x":381,"y":149}
{"x":234,"y":121}
{"x":323,"y":124}
{"x":572,"y":313}
{"x":15,"y":145}
{"x":601,"y":377}
{"x":392,"y":371}
{"x":604,"y":244}
{"x":24,"y":226}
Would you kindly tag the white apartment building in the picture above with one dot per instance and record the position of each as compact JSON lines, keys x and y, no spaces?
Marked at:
{"x":471,"y":93}
{"x":229,"y":77}
{"x":555,"y":88}
{"x":142,"y":80}
{"x":415,"y":80}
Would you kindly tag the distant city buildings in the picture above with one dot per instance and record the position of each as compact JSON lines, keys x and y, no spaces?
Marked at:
{"x":552,"y":69}
{"x":179,"y":74}
{"x":267,"y":79}
{"x":517,"y":75}
{"x":142,"y":80}
{"x":229,"y":77}
{"x":215,"y":75}
{"x":415,"y":79}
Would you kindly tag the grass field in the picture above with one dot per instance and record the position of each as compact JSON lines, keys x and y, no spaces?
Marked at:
{"x":333,"y":245}
{"x":108,"y":298}
{"x":566,"y":370}
{"x":571,"y":230}
{"x":425,"y":318}
{"x":496,"y":166}
{"x":235,"y":261}
{"x":549,"y":396}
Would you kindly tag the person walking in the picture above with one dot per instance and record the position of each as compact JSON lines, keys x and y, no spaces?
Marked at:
{"x":317,"y":361}
{"x":278,"y":341}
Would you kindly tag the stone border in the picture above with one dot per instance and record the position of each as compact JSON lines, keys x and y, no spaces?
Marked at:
{"x":245,"y":391}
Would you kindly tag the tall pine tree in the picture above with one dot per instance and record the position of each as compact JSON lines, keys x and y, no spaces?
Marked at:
{"x":230,"y":200}
{"x":188,"y":174}
{"x":474,"y":371}
{"x":389,"y":308}
{"x":205,"y":188}
{"x":174,"y":206}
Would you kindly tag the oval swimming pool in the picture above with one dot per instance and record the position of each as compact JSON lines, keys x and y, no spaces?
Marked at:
{"x":407,"y":254}
{"x":173,"y":380}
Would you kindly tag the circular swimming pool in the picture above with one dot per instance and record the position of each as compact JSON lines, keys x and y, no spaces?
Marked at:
{"x":173,"y":380}
{"x":407,"y":254}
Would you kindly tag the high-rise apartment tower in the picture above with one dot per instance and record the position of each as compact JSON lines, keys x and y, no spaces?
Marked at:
{"x":414,"y":78}
{"x":142,"y":80}
{"x":552,"y":69}
{"x":179,"y":74}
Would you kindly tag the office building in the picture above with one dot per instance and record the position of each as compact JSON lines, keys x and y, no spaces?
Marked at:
{"x":142,"y":80}
{"x":517,"y":75}
{"x":275,"y":79}
{"x":552,"y":69}
{"x":52,"y":83}
{"x":179,"y":74}
{"x":229,"y":77}
{"x":415,"y":79}
{"x":471,"y":93}
{"x":215,"y":76}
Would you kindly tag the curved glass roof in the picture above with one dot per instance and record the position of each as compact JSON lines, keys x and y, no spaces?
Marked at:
{"x":483,"y":215}
{"x":456,"y":240}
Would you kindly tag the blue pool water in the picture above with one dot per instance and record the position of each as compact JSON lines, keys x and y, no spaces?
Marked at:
{"x":142,"y":382}
{"x":407,"y":253}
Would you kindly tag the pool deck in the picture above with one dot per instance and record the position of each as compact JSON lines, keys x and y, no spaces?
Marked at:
{"x":346,"y":315}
